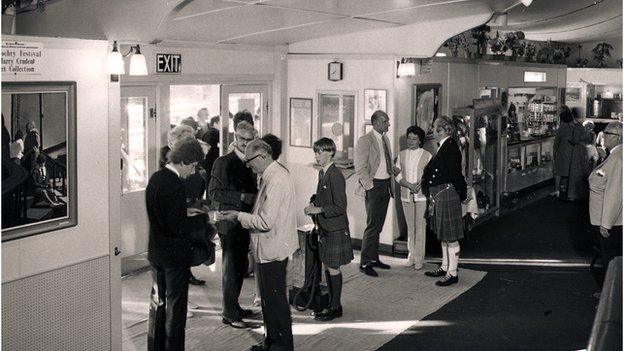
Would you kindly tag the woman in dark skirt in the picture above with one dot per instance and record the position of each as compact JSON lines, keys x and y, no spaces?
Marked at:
{"x":445,"y":187}
{"x":330,"y":208}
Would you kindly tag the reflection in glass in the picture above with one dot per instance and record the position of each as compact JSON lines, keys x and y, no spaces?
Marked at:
{"x":336,"y":116}
{"x":187,"y":100}
{"x":133,"y":143}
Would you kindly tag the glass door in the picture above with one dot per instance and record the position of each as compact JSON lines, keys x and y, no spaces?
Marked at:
{"x":235,"y":98}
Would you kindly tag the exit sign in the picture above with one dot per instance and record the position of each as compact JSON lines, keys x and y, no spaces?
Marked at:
{"x":169,"y":63}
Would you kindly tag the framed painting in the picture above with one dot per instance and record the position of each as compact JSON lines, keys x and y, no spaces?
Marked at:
{"x":374,"y":99}
{"x":426,"y":105}
{"x":39,"y":190}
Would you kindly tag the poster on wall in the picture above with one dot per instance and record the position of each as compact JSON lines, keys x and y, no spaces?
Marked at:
{"x":426,"y":105}
{"x":300,"y":122}
{"x":374,"y":99}
{"x":572,"y":95}
{"x":21,"y":58}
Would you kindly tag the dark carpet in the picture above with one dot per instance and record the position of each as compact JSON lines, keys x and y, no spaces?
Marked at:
{"x":512,"y":308}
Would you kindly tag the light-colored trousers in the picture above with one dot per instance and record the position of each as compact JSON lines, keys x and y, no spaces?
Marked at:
{"x":416,"y":231}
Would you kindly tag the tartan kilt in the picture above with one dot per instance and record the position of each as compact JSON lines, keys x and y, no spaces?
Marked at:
{"x":447,"y":219}
{"x":335,"y":248}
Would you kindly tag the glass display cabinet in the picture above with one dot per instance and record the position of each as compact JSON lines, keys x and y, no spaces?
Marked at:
{"x":528,"y":163}
{"x":479,"y":129}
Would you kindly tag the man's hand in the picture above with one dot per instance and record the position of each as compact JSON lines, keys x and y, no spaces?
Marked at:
{"x":248,"y":198}
{"x":414,"y":187}
{"x":396,"y":170}
{"x":604,"y":232}
{"x":229,"y":215}
{"x":312,"y":210}
{"x":192,"y":211}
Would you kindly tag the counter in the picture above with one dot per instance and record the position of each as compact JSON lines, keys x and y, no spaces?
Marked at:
{"x":528,"y":162}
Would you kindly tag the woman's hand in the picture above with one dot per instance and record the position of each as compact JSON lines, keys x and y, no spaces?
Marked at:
{"x":229,"y":215}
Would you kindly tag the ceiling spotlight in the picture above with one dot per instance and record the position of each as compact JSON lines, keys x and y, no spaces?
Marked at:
{"x":526,"y":3}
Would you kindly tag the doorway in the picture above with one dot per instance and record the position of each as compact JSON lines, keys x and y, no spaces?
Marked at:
{"x":235,"y":98}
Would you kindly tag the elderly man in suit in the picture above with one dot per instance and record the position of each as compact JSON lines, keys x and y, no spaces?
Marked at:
{"x":233,"y":187}
{"x":273,"y":228}
{"x":605,"y":195}
{"x":375,"y":171}
{"x":170,"y":249}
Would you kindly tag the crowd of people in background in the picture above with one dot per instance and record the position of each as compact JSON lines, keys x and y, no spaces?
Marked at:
{"x":252,"y":196}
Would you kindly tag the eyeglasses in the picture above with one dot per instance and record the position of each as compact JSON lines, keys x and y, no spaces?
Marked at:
{"x":251,"y":159}
{"x":244,"y":139}
{"x":609,"y":133}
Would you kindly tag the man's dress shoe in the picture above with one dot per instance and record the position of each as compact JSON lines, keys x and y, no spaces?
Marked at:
{"x":368,"y":270}
{"x":195,"y":281}
{"x":379,"y":264}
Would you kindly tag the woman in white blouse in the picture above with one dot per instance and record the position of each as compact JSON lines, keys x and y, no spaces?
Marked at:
{"x":412,"y":162}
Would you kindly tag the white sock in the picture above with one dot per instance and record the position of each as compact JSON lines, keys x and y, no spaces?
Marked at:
{"x":445,"y":261}
{"x":453,"y":253}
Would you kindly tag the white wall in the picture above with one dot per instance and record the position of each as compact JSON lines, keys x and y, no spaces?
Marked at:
{"x":82,"y":61}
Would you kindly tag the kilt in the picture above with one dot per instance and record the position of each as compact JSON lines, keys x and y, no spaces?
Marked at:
{"x":335,"y":248}
{"x":447,"y":217}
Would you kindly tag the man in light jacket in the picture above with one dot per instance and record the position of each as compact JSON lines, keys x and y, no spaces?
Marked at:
{"x":273,"y":228}
{"x":605,"y":195}
{"x":375,"y":172}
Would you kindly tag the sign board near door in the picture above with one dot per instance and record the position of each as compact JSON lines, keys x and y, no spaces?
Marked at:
{"x":168,"y":63}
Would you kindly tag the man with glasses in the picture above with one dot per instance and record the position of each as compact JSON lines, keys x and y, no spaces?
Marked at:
{"x":605,"y":195}
{"x":273,"y":229}
{"x":233,"y":187}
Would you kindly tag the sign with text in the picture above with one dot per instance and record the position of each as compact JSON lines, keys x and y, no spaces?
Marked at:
{"x":169,"y":63}
{"x":21,"y":57}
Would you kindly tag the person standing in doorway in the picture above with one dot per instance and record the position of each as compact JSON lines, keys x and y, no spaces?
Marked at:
{"x":412,"y":162}
{"x":375,"y":172}
{"x":605,"y":195}
{"x":170,"y":249}
{"x":445,"y":187}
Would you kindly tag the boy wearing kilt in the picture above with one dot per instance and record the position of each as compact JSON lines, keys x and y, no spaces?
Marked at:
{"x":330,"y":208}
{"x":445,"y":187}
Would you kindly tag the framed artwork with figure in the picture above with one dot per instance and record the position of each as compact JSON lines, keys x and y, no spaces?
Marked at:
{"x":374,"y":99}
{"x":426,"y":105}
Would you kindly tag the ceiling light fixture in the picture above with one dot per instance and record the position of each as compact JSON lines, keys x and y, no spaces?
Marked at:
{"x":406,"y":67}
{"x":138,"y":65}
{"x":526,"y":3}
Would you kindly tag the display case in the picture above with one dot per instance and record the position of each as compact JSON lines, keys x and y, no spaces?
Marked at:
{"x":528,"y":163}
{"x":533,"y":113}
{"x":480,"y":141}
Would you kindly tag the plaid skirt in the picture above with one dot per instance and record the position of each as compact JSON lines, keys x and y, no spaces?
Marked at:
{"x":447,"y":221}
{"x":335,"y":248}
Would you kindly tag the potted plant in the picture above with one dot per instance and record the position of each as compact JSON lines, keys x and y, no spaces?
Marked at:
{"x":529,"y":52}
{"x":545,"y":53}
{"x":479,"y":34}
{"x":601,"y":52}
{"x":561,"y":54}
{"x":455,"y":43}
{"x":513,"y":41}
{"x":497,"y":45}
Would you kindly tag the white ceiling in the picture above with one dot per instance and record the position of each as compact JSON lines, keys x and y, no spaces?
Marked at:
{"x":284,"y":22}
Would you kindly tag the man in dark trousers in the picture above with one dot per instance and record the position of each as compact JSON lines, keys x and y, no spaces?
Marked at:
{"x":233,"y":187}
{"x":169,"y":249}
{"x":375,"y":172}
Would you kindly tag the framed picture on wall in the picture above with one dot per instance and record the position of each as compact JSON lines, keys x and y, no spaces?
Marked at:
{"x":39,"y":192}
{"x":426,"y":105}
{"x":368,"y":128}
{"x":301,"y":122}
{"x":374,"y":99}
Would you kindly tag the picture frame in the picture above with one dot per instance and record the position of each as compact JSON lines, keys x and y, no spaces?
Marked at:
{"x":300,"y":122}
{"x":374,"y":99}
{"x":426,"y":105}
{"x":40,"y":194}
{"x":368,"y":128}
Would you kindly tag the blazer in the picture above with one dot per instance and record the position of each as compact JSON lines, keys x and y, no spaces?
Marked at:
{"x":332,"y":197}
{"x":605,"y":191}
{"x":445,"y":167}
{"x":367,"y":159}
{"x":169,"y":227}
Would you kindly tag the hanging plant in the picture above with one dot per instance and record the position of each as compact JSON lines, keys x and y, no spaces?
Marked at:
{"x":529,"y":52}
{"x":457,"y":42}
{"x":601,"y":52}
{"x":480,"y":35}
{"x":497,"y":45}
{"x":513,"y":41}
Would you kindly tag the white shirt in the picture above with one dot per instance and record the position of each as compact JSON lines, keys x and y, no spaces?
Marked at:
{"x":411,"y":171}
{"x":382,"y":172}
{"x":273,"y":222}
{"x":441,"y":142}
{"x":172,"y":169}
{"x":16,"y":149}
{"x":327,"y":167}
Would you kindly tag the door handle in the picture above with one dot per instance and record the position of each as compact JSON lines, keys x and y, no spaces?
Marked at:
{"x":152,"y":112}
{"x":117,"y":251}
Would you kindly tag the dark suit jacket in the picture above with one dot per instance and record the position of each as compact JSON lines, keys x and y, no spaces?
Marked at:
{"x":169,"y":240}
{"x":332,"y":197}
{"x":445,"y":167}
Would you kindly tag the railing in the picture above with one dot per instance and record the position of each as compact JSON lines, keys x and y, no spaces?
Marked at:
{"x":57,"y":173}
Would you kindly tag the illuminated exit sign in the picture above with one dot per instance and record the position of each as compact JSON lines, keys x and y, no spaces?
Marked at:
{"x":169,"y":63}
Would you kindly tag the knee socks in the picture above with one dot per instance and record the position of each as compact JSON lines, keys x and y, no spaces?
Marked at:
{"x":445,"y":259}
{"x":453,"y":257}
{"x":336,"y":290}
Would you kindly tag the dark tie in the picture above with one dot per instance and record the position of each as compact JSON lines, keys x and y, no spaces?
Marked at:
{"x":388,"y":157}
{"x":321,"y":174}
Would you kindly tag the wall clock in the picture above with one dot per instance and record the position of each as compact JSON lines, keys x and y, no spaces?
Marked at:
{"x":334,"y":71}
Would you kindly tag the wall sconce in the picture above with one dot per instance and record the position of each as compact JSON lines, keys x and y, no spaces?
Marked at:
{"x":406,"y":67}
{"x":138,"y":66}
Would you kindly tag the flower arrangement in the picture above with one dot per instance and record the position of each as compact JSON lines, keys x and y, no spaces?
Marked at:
{"x":513,"y":42}
{"x":497,"y":44}
{"x":458,"y":42}
{"x":601,"y":52}
{"x":480,"y":35}
{"x":530,"y":50}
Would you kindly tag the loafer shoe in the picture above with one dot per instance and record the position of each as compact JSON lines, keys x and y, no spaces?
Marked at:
{"x":437,"y":273}
{"x":328,"y":314}
{"x":379,"y":264}
{"x":195,"y":281}
{"x":448,"y":280}
{"x":238,"y":324}
{"x":246,"y":313}
{"x":368,"y":270}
